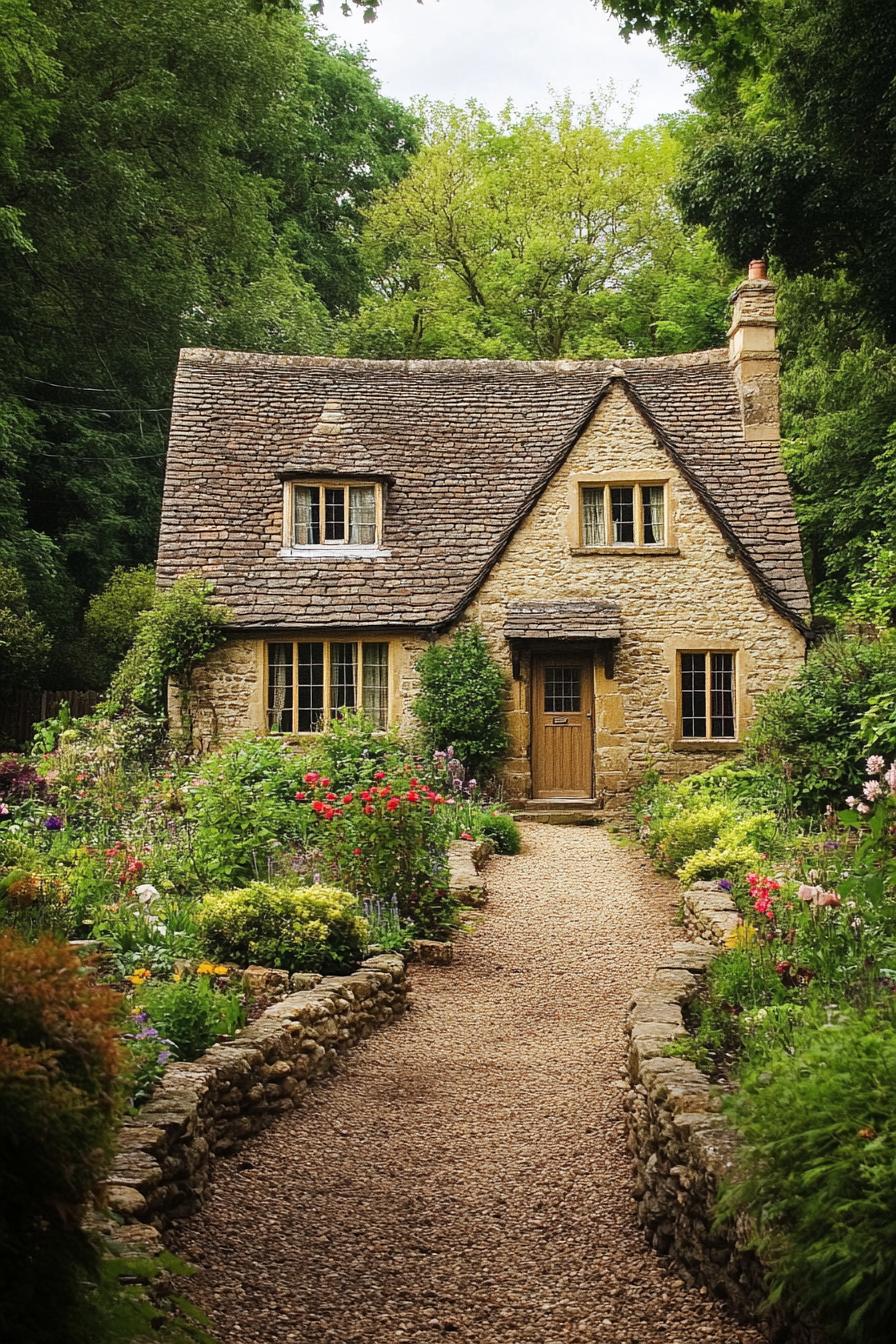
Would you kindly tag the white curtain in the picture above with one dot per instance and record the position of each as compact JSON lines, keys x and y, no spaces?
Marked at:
{"x":593,"y":517}
{"x":654,"y":509}
{"x":362,"y":515}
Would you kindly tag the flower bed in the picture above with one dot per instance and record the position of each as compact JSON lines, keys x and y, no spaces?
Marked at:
{"x":795,"y":1022}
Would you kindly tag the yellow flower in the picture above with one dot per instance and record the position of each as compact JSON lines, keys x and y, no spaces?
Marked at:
{"x":140,"y":976}
{"x":177,"y":977}
{"x":222,"y":970}
{"x":741,"y":937}
{"x":206,"y":968}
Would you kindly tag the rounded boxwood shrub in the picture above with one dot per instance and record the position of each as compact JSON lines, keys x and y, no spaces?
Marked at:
{"x":502,"y":829}
{"x":292,"y":928}
{"x":462,"y":701}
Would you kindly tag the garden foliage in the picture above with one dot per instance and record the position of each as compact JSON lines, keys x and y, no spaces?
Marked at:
{"x":59,"y":1061}
{"x":296,"y":928}
{"x":462,"y":700}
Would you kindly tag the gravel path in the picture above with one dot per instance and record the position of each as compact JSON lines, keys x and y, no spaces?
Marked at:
{"x":464,"y":1174}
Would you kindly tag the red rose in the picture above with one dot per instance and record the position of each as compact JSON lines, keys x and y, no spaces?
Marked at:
{"x":348,"y":798}
{"x":300,"y":797}
{"x":380,"y":774}
{"x":356,"y":851}
{"x":317,"y":806}
{"x":412,"y":783}
{"x":311,"y":778}
{"x":330,"y":797}
{"x":365,"y":795}
{"x":324,"y":782}
{"x":369,"y":811}
{"x":412,"y":796}
{"x":392,"y":804}
{"x":384,"y":792}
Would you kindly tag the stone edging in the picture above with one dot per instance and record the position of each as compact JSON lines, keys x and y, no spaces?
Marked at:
{"x":207,"y":1108}
{"x":681,"y":1144}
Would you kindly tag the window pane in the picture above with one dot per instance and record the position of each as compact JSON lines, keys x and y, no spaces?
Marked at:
{"x":311,"y":687}
{"x":562,"y":690}
{"x":305,"y":515}
{"x":622,"y":503}
{"x":693,"y":695}
{"x":280,"y":706}
{"x":653,"y":505}
{"x":343,"y":677}
{"x":334,"y":522}
{"x":593,"y":529}
{"x":722,"y":694}
{"x":362,"y":515}
{"x":376,"y":683}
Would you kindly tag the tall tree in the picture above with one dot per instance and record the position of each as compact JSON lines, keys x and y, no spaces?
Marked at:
{"x":539,"y":234}
{"x":191,"y":173}
{"x":795,"y":151}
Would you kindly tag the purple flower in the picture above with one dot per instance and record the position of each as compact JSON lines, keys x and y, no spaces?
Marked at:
{"x":147,"y":1034}
{"x":164,"y":1056}
{"x":140,"y":1016}
{"x":725,"y":884}
{"x":54,"y":823}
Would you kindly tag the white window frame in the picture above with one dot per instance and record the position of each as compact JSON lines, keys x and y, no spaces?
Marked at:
{"x":332,"y":547}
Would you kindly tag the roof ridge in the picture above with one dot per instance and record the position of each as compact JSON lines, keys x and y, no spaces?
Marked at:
{"x":208,"y":356}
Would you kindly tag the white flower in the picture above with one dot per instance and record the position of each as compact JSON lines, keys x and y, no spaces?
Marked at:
{"x":874,"y":765}
{"x":872,"y":789}
{"x":146,"y":893}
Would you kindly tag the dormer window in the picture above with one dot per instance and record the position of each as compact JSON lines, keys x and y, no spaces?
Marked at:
{"x":333,"y":513}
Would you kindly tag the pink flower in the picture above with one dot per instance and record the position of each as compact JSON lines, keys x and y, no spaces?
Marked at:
{"x":890,"y":778}
{"x":807,"y":893}
{"x":874,"y":765}
{"x":851,"y":801}
{"x":828,"y":898}
{"x":872,"y":789}
{"x":864,"y":809}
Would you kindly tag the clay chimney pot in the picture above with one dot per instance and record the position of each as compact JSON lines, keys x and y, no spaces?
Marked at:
{"x":757,"y":271}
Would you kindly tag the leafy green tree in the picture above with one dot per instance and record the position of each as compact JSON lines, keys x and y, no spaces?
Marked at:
{"x":24,"y":639}
{"x":795,"y":151}
{"x":536,"y":234}
{"x":461,"y":701}
{"x":112,"y":615}
{"x":186,"y":174}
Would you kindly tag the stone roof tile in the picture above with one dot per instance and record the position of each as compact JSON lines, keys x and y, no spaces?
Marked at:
{"x":466,"y":445}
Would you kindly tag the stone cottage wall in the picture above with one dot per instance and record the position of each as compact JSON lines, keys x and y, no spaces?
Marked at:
{"x":696,"y":598}
{"x":207,"y":1108}
{"x":682,"y":1146}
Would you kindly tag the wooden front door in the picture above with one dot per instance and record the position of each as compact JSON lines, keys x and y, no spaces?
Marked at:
{"x":562,"y":726}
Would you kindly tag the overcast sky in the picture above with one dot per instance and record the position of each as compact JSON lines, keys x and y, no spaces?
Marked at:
{"x":493,"y":50}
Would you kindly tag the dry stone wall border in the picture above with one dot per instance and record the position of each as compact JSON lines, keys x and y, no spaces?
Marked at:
{"x":681,"y":1144}
{"x":208,"y":1108}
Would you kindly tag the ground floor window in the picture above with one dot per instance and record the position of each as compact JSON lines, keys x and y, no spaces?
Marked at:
{"x":309,"y":681}
{"x":708,"y":705}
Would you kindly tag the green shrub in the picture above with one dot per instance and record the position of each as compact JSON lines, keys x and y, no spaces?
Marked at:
{"x":723,"y":859}
{"x":25,"y":641}
{"x":294,"y":928}
{"x":351,"y":750}
{"x":817,"y":1176}
{"x":499,"y":827}
{"x":461,"y":701}
{"x":112,"y":614}
{"x":59,"y":1058}
{"x":192,"y":1012}
{"x":691,"y":829}
{"x":243,"y":809}
{"x":174,"y":636}
{"x":817,"y":731}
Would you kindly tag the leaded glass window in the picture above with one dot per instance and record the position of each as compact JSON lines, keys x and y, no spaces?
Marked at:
{"x":333,"y":513}
{"x":708,"y":696}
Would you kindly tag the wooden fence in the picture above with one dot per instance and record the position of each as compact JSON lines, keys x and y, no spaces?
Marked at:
{"x":21,"y":710}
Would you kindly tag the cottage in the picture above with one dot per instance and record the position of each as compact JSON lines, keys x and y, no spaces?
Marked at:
{"x":623,"y":533}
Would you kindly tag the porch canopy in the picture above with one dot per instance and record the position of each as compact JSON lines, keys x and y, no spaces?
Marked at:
{"x":568,"y":621}
{"x":574,"y":625}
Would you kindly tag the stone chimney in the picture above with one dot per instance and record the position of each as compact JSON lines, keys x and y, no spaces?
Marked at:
{"x":752,"y":354}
